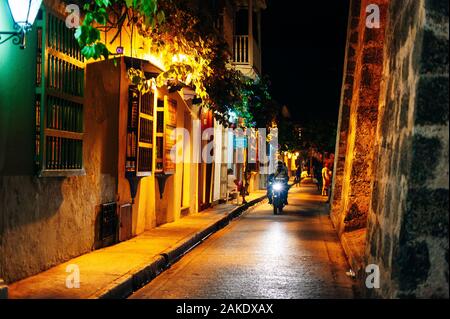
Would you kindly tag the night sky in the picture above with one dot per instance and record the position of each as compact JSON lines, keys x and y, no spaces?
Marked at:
{"x":303,"y":49}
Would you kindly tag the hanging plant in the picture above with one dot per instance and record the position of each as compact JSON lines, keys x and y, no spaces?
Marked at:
{"x":97,"y":17}
{"x":137,"y":78}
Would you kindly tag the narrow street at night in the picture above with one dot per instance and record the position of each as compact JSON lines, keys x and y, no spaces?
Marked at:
{"x":252,"y":153}
{"x":262,"y":255}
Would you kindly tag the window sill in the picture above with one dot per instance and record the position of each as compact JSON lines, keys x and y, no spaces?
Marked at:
{"x":62,"y":173}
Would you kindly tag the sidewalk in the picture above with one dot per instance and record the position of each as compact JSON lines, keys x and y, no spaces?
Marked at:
{"x":118,"y":271}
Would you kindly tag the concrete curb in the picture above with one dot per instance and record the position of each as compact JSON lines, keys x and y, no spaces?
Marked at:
{"x":143,"y":274}
{"x":3,"y":290}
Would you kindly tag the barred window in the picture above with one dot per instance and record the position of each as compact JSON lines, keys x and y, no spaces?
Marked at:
{"x":160,"y":134}
{"x":139,"y":158}
{"x":166,"y":124}
{"x":59,"y":98}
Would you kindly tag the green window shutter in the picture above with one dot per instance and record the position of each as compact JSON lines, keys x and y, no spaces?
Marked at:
{"x":59,"y":99}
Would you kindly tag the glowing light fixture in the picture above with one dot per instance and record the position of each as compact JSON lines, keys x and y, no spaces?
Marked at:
{"x":232,"y":116}
{"x":277,"y":186}
{"x":24,"y":13}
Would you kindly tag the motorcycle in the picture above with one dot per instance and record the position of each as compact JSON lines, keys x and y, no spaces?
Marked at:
{"x":278,"y":194}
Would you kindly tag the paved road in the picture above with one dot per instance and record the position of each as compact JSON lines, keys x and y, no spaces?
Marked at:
{"x":260,"y":255}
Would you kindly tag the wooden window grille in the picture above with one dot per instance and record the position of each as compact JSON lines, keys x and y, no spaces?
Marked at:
{"x":166,"y":122}
{"x":160,"y":134}
{"x":139,"y":157}
{"x":59,"y":98}
{"x":171,"y":125}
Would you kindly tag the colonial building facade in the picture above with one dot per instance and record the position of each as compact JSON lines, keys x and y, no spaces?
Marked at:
{"x":85,"y":157}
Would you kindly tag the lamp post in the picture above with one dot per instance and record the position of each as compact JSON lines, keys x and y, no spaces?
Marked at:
{"x":24,"y":13}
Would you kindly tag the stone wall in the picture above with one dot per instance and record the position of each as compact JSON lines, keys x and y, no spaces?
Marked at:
{"x":408,"y":219}
{"x":358,"y":118}
{"x":391,"y":169}
{"x":352,"y":48}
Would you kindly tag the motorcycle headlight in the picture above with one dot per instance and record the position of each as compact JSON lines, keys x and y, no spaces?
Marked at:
{"x":278,"y":186}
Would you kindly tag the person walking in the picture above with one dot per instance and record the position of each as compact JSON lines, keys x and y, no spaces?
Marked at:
{"x":317,"y":169}
{"x":246,"y":185}
{"x":298,"y":175}
{"x":232,"y":182}
{"x":236,"y":186}
{"x":326,"y":179}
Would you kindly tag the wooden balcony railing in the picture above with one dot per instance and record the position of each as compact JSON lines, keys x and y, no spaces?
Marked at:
{"x":241,"y":49}
{"x":243,"y":54}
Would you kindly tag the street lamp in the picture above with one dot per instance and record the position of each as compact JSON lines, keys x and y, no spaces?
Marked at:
{"x":24,"y":13}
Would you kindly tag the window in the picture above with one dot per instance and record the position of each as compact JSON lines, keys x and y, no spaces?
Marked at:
{"x":139,"y":158}
{"x":171,"y":125}
{"x":59,"y":99}
{"x":242,"y":22}
{"x":166,"y":122}
{"x":160,"y":135}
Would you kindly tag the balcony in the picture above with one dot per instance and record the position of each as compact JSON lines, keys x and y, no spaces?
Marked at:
{"x":247,"y":56}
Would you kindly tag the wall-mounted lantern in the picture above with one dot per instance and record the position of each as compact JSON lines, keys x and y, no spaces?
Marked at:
{"x":24,"y":13}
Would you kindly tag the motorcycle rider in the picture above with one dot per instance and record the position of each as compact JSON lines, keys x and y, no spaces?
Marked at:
{"x":281,"y":173}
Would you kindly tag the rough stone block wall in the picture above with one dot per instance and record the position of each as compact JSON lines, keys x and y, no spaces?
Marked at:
{"x":363,"y":120}
{"x":408,"y":219}
{"x":344,"y":110}
{"x":359,"y":114}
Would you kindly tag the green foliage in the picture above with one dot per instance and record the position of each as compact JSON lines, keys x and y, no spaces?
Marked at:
{"x":319,"y":135}
{"x":288,"y":135}
{"x":137,"y":77}
{"x":202,"y":60}
{"x":88,"y":33}
{"x":258,"y":101}
{"x":194,"y":53}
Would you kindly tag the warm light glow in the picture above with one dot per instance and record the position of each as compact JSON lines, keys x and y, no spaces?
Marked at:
{"x":272,"y":241}
{"x":24,"y":12}
{"x":189,"y":79}
{"x":155,"y":60}
{"x":179,"y":58}
{"x":153,"y":86}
